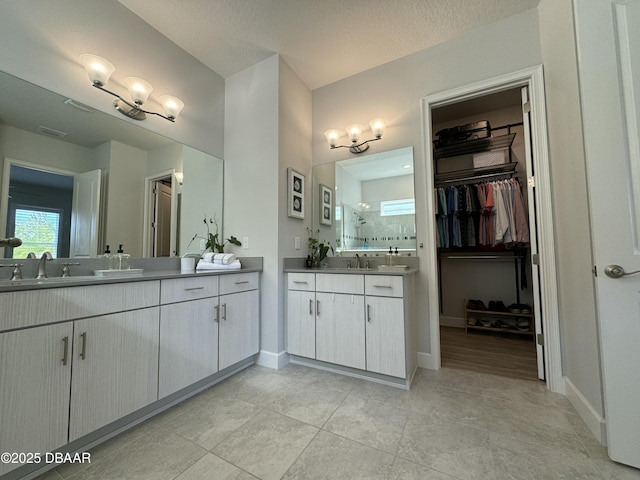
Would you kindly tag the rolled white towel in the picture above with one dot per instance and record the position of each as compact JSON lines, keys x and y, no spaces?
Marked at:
{"x":218,"y":266}
{"x":208,"y":257}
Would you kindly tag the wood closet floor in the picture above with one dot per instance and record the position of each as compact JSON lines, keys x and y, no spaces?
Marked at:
{"x":489,"y":352}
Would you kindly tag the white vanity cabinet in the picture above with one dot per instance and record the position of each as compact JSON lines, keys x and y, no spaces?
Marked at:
{"x":115,"y":368}
{"x":361,"y":321}
{"x":35,"y":378}
{"x":340,"y":329}
{"x":385,"y":325}
{"x":239,"y":327}
{"x":189,"y":318}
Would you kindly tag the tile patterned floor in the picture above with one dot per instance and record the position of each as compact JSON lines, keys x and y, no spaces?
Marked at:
{"x":302,"y":423}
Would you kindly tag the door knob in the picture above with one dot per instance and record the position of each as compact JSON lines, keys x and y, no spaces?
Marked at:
{"x":616,"y":271}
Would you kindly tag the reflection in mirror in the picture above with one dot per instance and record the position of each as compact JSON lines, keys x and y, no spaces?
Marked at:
{"x":374,"y":205}
{"x":56,"y":136}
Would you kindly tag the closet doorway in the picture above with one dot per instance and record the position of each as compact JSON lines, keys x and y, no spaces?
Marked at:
{"x":487,"y":310}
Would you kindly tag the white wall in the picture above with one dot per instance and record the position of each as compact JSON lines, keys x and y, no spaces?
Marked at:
{"x":394,"y":91}
{"x":251,"y":180}
{"x":576,"y":294}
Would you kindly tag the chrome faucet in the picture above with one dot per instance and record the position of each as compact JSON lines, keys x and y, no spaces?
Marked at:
{"x":357,"y":257}
{"x":42,"y":266}
{"x":31,"y":255}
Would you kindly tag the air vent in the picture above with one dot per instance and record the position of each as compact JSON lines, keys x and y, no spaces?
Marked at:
{"x":80,"y":106}
{"x":51,"y":131}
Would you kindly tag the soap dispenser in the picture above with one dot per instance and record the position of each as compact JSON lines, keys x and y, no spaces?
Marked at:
{"x":123,"y":259}
{"x":107,"y":256}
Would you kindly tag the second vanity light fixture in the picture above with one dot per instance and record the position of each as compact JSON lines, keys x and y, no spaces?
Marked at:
{"x":100,"y":70}
{"x":355,"y":131}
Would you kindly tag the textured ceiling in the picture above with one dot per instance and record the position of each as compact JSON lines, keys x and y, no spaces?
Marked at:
{"x":322,"y":40}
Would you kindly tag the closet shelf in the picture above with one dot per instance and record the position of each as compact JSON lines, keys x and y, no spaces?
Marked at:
{"x":475,"y":146}
{"x":503,"y":314}
{"x":476,"y":173}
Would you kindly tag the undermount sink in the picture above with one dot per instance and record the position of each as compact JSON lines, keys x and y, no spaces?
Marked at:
{"x":44,"y":281}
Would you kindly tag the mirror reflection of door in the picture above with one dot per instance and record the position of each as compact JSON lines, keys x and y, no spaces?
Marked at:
{"x":162,"y":218}
{"x":39,"y":212}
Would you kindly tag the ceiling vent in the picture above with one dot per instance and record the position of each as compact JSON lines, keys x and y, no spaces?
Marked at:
{"x":50,"y":131}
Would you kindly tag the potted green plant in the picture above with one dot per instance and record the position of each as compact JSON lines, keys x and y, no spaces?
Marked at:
{"x":317,"y":250}
{"x":212,"y":240}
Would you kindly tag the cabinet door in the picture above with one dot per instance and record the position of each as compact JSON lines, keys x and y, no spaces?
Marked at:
{"x":301,"y":323}
{"x":34,"y":389}
{"x":188,"y":344}
{"x":385,"y":336}
{"x":340,"y":329}
{"x":239,"y":327}
{"x":115,"y":368}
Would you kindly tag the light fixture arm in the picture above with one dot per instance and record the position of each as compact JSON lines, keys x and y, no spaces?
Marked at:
{"x":357,"y":148}
{"x":133,"y":111}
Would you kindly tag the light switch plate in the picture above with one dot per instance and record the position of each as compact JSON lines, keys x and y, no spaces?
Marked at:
{"x":245,"y":243}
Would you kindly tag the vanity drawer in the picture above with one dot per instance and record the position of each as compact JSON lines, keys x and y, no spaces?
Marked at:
{"x":36,"y":307}
{"x":190,"y":288}
{"x":301,"y":281}
{"x":383,"y":285}
{"x":340,"y":283}
{"x":238,"y":282}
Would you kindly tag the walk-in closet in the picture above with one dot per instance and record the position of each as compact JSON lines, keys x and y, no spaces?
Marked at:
{"x":486,"y":291}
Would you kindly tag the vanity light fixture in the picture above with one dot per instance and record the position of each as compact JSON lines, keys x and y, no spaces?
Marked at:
{"x":100,"y":70}
{"x":355,"y":131}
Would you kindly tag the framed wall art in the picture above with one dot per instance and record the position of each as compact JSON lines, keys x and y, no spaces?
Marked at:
{"x":326,"y":205}
{"x":295,"y":194}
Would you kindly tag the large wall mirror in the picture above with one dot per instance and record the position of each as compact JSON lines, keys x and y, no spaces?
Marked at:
{"x":75,"y":180}
{"x":371,"y":201}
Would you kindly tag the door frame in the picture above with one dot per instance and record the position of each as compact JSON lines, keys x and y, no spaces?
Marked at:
{"x":149,"y":206}
{"x":533,"y":79}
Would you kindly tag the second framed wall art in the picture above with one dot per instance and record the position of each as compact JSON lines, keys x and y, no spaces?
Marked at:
{"x":295,"y":194}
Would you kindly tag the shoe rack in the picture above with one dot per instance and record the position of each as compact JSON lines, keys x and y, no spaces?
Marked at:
{"x":510,"y":320}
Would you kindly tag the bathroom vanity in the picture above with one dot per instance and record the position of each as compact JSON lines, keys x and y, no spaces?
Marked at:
{"x":359,"y":322}
{"x":85,"y":358}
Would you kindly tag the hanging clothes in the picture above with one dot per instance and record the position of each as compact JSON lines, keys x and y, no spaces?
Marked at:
{"x":487,"y":214}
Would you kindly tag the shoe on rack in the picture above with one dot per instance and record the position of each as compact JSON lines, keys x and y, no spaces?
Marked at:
{"x":514,"y":308}
{"x":472,"y":305}
{"x":500,"y":307}
{"x":492,"y":306}
{"x":480,"y":305}
{"x":524,"y":308}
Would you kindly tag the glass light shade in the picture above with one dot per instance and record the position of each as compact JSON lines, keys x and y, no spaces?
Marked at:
{"x":172,"y":106}
{"x":377,"y":126}
{"x":98,"y":68}
{"x":332,"y":137}
{"x":139,"y":89}
{"x":354,"y":131}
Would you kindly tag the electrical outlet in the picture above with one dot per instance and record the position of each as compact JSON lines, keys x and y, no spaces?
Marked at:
{"x":245,"y":243}
{"x":296,"y":243}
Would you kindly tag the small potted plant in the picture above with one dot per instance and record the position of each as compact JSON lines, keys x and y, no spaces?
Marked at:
{"x":317,"y":250}
{"x":213,"y":242}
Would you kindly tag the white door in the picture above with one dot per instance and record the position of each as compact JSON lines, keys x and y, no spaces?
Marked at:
{"x":533,"y":236}
{"x":163,"y":220}
{"x":85,"y":214}
{"x":608,"y":38}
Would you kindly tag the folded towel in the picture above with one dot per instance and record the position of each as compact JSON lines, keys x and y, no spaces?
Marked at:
{"x":219,"y":258}
{"x":218,"y":266}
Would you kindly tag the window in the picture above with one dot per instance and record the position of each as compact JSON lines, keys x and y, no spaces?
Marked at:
{"x":38,"y":230}
{"x":398,"y":207}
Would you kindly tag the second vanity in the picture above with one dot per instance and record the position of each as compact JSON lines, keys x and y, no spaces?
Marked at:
{"x":360,"y":322}
{"x":84,"y":359}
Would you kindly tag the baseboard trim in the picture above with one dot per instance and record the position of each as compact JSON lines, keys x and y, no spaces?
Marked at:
{"x":427,"y":360}
{"x":595,"y":423}
{"x":272,"y":360}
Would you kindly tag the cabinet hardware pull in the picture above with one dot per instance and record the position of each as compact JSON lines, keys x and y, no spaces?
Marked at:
{"x":83,"y":349}
{"x":193,"y":288}
{"x":300,"y":281}
{"x":368,"y":313}
{"x":217,"y":317}
{"x":65,"y":350}
{"x":244,"y":281}
{"x":224,"y":312}
{"x":318,"y":307}
{"x":383,"y":286}
{"x":310,"y":307}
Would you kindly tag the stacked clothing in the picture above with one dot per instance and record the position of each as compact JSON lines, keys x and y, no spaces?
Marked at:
{"x":487,"y":214}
